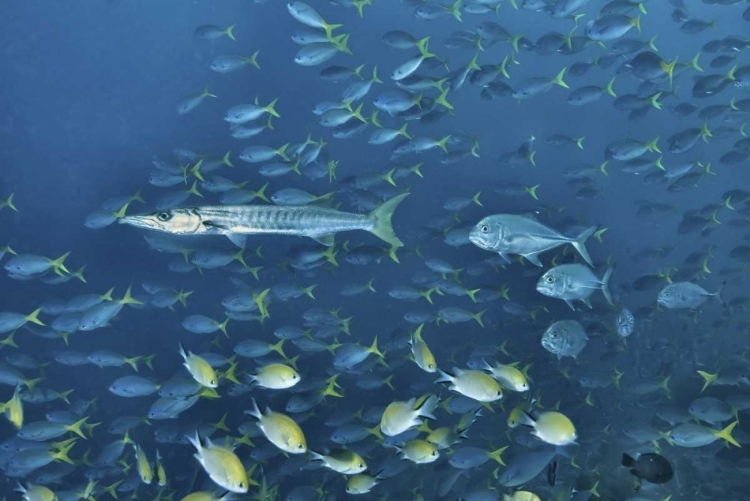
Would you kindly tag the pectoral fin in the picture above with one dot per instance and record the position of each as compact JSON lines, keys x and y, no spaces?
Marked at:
{"x":326,"y":240}
{"x":570,"y":303}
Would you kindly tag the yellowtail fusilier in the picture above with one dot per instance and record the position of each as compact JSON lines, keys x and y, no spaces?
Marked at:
{"x":236,"y":222}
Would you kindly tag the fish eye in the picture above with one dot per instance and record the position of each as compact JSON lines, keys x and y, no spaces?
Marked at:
{"x":553,"y":335}
{"x":549,"y":279}
{"x":300,"y":446}
{"x":164,"y":216}
{"x":485,"y":228}
{"x":361,"y":465}
{"x":241,"y":485}
{"x":434,"y":453}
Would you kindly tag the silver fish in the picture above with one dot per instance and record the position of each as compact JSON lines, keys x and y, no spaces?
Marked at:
{"x":236,"y":222}
{"x":512,"y":234}
{"x":685,"y":295}
{"x":625,"y":323}
{"x":565,"y":338}
{"x":573,"y":281}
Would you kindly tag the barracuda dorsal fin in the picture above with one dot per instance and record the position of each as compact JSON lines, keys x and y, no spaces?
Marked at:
{"x":326,"y":240}
{"x":238,"y":240}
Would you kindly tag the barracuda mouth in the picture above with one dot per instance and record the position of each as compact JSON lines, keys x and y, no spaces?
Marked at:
{"x":148,"y":222}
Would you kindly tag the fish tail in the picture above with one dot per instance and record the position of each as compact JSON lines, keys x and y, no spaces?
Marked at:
{"x":374,"y":348}
{"x":580,"y":244}
{"x":558,"y":80}
{"x":709,"y":378}
{"x":230,"y":31}
{"x":717,"y":294}
{"x":726,"y":434}
{"x":253,"y":60}
{"x":58,"y":264}
{"x":497,"y":455}
{"x":62,"y":453}
{"x":31,"y":383}
{"x":382,"y":224}
{"x":8,"y":202}
{"x":128,"y":299}
{"x":375,"y":431}
{"x":478,"y":317}
{"x":532,"y":191}
{"x":429,"y":406}
{"x":76,"y":427}
{"x":605,"y":285}
{"x":33,"y":317}
{"x":330,"y":27}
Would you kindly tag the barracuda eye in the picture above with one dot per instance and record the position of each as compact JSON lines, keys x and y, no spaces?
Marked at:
{"x":164,"y":216}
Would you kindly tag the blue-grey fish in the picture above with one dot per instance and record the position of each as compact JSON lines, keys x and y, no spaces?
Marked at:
{"x":681,"y":295}
{"x":573,"y":281}
{"x":625,"y":323}
{"x":565,"y":338}
{"x":236,"y":222}
{"x":512,"y":234}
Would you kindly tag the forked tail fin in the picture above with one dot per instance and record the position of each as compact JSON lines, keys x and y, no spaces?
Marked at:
{"x":580,"y":244}
{"x":382,"y":226}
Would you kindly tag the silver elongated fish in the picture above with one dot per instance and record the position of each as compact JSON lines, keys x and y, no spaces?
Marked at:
{"x":238,"y":221}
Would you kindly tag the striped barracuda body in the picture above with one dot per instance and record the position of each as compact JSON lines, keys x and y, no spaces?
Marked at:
{"x":238,"y":221}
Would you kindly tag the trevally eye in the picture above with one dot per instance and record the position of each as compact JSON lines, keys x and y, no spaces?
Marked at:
{"x":164,"y":216}
{"x":485,"y":228}
{"x":550,"y":280}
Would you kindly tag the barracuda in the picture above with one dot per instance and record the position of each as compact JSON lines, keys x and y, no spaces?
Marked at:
{"x":238,"y":221}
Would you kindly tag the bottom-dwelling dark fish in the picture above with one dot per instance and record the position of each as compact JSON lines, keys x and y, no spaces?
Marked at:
{"x":238,"y":221}
{"x":650,"y":467}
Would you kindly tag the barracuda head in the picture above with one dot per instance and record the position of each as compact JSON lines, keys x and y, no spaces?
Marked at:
{"x":176,"y":221}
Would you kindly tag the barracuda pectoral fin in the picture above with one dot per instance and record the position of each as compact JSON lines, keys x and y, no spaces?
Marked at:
{"x":237,"y":239}
{"x":326,"y":240}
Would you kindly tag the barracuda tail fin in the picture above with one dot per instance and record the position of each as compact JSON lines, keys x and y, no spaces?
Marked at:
{"x":383,"y":228}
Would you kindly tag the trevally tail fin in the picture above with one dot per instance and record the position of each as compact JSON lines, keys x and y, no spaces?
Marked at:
{"x":580,"y":244}
{"x":383,"y":227}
